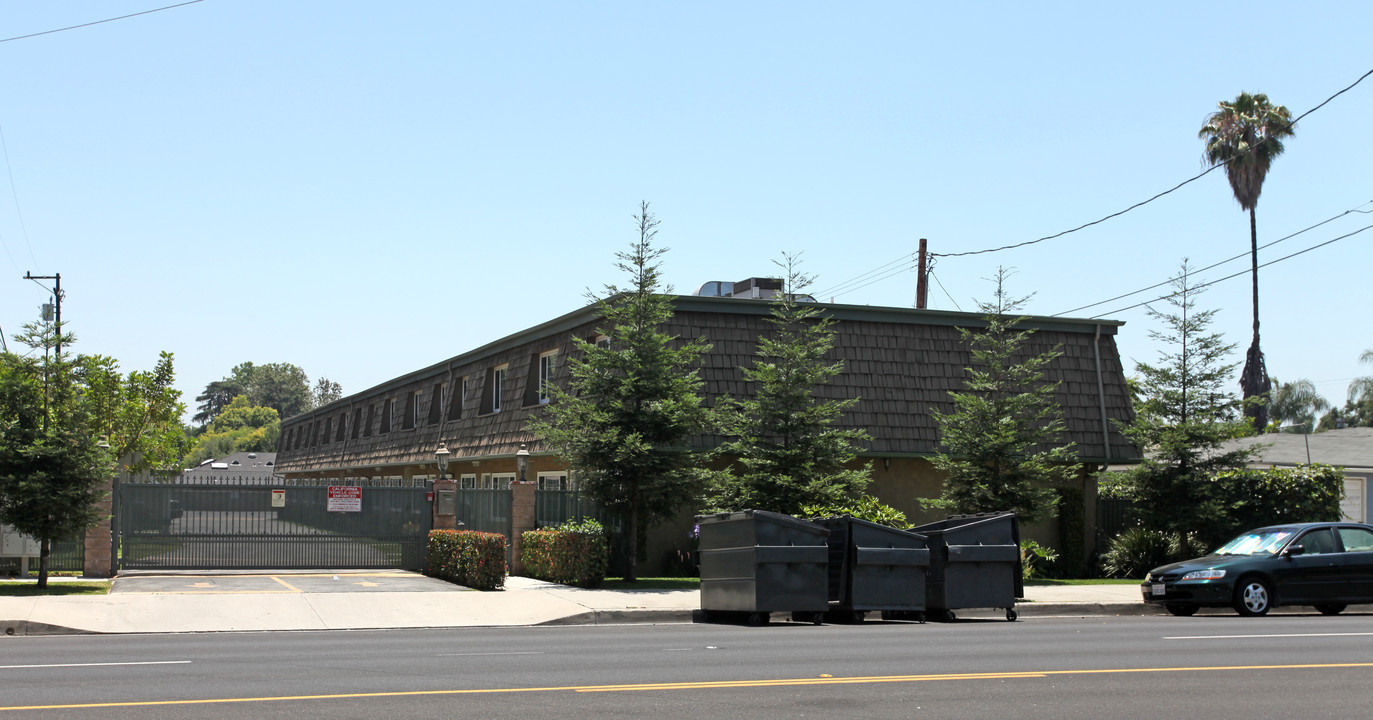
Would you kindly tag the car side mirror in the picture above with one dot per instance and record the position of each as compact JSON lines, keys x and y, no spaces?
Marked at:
{"x":1294,"y":550}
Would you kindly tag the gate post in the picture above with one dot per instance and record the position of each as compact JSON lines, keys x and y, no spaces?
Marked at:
{"x":444,"y":506}
{"x":99,"y":541}
{"x":521,"y":520}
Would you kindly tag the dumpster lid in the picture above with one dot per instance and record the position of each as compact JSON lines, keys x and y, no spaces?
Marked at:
{"x":764,"y":516}
{"x":826,"y":521}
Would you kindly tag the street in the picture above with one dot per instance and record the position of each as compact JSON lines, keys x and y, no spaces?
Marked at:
{"x":1116,"y":667}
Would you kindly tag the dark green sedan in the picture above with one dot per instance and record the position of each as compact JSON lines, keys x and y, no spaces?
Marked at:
{"x":1326,"y":565}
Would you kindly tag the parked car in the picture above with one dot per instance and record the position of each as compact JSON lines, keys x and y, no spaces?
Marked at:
{"x":1326,"y":565}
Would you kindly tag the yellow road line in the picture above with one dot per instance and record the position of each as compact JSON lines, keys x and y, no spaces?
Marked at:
{"x":705,"y":685}
{"x":289,"y":585}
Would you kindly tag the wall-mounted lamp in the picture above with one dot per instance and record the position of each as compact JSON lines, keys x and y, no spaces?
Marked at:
{"x":442,"y":456}
{"x":522,"y":460}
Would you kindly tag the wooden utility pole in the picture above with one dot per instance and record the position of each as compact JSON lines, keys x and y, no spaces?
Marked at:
{"x":922,"y":282}
{"x":57,"y":301}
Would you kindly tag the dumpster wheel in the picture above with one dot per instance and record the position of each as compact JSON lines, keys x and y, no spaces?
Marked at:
{"x":1011,"y":614}
{"x":757,"y":619}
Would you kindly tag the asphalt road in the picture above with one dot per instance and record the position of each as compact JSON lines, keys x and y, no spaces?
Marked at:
{"x":1305,"y":666}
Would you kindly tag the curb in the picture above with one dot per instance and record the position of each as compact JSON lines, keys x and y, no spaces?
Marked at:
{"x":25,"y":628}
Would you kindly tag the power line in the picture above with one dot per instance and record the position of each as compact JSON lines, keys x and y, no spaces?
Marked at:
{"x":839,"y":289}
{"x":1146,"y":202}
{"x":946,"y":292}
{"x":1240,"y":273}
{"x":1222,"y":262}
{"x":98,"y":22}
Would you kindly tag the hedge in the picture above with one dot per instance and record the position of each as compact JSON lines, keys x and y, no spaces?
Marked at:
{"x":468,"y":558}
{"x":571,"y":554}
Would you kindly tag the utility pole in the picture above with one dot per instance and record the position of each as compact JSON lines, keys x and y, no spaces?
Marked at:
{"x":922,"y":282}
{"x":57,"y":301}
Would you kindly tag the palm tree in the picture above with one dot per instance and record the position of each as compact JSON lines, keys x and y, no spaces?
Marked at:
{"x":1245,"y":135}
{"x":1295,"y":403}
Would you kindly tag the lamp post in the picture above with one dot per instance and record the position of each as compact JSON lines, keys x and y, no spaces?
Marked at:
{"x":522,"y":460}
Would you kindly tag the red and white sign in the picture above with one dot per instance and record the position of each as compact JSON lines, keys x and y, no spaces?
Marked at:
{"x":344,"y":498}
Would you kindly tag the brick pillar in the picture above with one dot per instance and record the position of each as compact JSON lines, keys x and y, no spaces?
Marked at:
{"x":99,"y":561}
{"x":447,"y":520}
{"x":521,"y":520}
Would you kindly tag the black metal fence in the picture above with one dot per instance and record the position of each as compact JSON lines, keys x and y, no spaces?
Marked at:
{"x":171,"y":526}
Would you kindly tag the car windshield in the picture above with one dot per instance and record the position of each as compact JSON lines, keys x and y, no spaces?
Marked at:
{"x":1263,"y":542}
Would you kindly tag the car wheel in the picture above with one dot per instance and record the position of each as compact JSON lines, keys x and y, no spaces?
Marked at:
{"x":1181,"y":609}
{"x":1332,"y":609}
{"x":1253,"y":597}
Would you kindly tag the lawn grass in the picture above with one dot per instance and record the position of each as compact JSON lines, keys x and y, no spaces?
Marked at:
{"x":1087,"y":581}
{"x":652,"y":584}
{"x":30,"y":589}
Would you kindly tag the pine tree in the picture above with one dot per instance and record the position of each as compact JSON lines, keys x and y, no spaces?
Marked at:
{"x":51,"y":465}
{"x":1001,"y":446}
{"x":787,"y":451}
{"x":633,"y":402}
{"x":1185,"y":417}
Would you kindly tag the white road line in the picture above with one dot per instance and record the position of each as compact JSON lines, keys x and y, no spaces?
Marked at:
{"x":1246,"y":637}
{"x":530,"y":652}
{"x":104,"y":664}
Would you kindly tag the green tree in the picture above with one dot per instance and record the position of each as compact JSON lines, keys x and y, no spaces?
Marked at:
{"x":1245,"y":135}
{"x":281,"y":386}
{"x":788,"y":453}
{"x":1359,"y":405}
{"x":51,"y":465}
{"x":1294,"y":403}
{"x":624,"y":422}
{"x":240,"y":427}
{"x":138,"y":414}
{"x":1001,"y":445}
{"x":325,"y":392}
{"x":1188,"y":416}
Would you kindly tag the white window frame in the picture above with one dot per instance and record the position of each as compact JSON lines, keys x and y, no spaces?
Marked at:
{"x":498,"y":387}
{"x":467,"y":481}
{"x":548,"y":364}
{"x":555,"y":480}
{"x":497,"y":481}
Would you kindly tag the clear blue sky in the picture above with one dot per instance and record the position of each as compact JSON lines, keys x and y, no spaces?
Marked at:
{"x":363,"y":189}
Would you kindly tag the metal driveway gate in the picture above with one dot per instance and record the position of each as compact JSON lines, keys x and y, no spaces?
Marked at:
{"x":164,"y":526}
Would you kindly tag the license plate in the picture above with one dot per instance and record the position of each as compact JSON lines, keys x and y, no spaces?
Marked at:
{"x":1157,"y":589}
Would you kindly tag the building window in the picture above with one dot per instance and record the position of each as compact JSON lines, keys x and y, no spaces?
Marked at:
{"x":328,"y":431}
{"x":554,"y":481}
{"x":290,"y":438}
{"x":547,"y":365}
{"x":386,"y":410}
{"x":412,"y":411}
{"x":357,"y":422}
{"x":496,"y":481}
{"x":468,"y":482}
{"x":493,"y":395}
{"x":459,"y":397}
{"x":342,"y":421}
{"x":371,"y":415}
{"x":603,"y":342}
{"x":436,"y":404}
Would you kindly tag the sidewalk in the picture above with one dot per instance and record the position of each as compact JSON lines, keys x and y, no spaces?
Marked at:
{"x":524,"y":602}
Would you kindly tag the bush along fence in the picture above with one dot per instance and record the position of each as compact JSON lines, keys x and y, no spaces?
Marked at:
{"x":573,"y":553}
{"x":468,"y":558}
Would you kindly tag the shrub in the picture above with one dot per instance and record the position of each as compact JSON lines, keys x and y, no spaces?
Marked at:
{"x":1136,"y":551}
{"x":866,"y":507}
{"x":571,"y":554}
{"x":1033,"y":557}
{"x":1253,"y":498}
{"x":468,"y":558}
